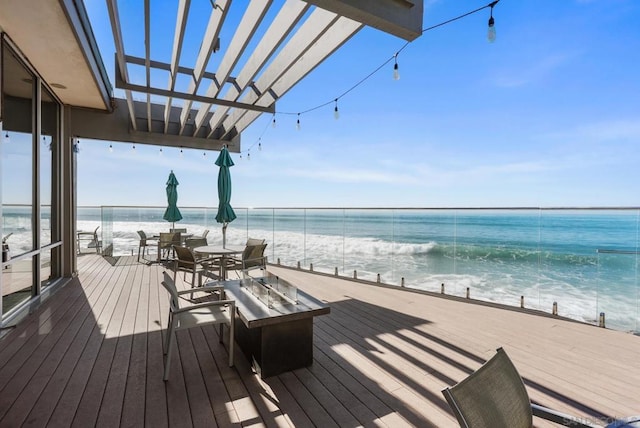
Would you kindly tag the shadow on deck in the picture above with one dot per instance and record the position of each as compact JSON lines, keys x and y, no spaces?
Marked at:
{"x":92,"y":355}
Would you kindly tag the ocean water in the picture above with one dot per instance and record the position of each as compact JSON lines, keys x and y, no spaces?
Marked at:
{"x":584,"y":260}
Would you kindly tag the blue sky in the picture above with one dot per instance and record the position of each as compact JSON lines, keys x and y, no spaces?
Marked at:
{"x":548,"y":115}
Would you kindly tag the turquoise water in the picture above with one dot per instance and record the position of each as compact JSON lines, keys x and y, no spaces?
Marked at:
{"x":585,"y":260}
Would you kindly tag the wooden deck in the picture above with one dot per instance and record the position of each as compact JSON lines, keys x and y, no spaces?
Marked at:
{"x":92,"y":356}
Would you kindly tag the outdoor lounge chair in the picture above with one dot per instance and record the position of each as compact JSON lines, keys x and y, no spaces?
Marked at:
{"x":494,"y":396}
{"x":193,"y":314}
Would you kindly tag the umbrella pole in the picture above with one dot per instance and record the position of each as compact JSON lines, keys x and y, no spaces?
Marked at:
{"x":224,"y":235}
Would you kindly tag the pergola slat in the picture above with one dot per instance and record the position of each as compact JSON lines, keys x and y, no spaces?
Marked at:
{"x":336,"y":36}
{"x":300,"y":43}
{"x":220,"y":8}
{"x":245,"y":31}
{"x":147,"y":56}
{"x":286,"y":19}
{"x":120,"y":62}
{"x":178,"y":38}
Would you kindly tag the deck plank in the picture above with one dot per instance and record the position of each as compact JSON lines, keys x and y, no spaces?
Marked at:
{"x":92,"y":355}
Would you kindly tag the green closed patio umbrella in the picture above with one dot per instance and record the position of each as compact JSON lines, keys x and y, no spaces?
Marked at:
{"x":225,"y":212}
{"x":172,"y":213}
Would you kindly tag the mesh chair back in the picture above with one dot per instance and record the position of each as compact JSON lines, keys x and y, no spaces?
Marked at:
{"x":143,"y":238}
{"x":195,"y":242}
{"x":170,"y":285}
{"x":255,"y":257}
{"x":493,"y":396}
{"x":185,"y":258}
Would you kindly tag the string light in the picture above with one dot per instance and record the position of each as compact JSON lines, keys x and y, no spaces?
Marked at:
{"x":133,"y":148}
{"x":248,"y":156}
{"x":396,"y":72}
{"x":204,"y":155}
{"x":160,"y":153}
{"x":181,"y":152}
{"x":491,"y":31}
{"x":259,"y":145}
{"x":6,"y":136}
{"x":110,"y":148}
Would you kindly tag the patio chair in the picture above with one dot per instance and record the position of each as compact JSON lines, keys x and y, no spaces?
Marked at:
{"x":166,"y":243}
{"x":187,"y":262}
{"x":193,"y":314}
{"x":494,"y":396}
{"x":252,"y":257}
{"x":145,"y":243}
{"x":92,"y":237}
{"x":205,"y":233}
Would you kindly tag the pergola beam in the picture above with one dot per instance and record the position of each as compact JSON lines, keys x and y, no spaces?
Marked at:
{"x":120,"y":83}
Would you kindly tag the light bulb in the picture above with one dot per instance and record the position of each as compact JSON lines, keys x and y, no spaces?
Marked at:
{"x":134,"y":148}
{"x":273,"y":122}
{"x":204,"y":155}
{"x":248,"y":156}
{"x":396,"y":73}
{"x":491,"y":31}
{"x":298,"y":122}
{"x":160,"y":153}
{"x":336,"y":113}
{"x":110,"y":148}
{"x":260,"y":146}
{"x":181,"y":153}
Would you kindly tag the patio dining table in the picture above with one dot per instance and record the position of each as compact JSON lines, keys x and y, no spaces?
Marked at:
{"x":222,"y":252}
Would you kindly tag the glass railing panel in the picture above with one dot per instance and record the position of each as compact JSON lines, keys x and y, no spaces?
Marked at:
{"x":368,"y":243}
{"x":260,"y":226}
{"x":497,"y":253}
{"x":324,"y":239}
{"x":289,"y":237}
{"x":423,"y":250}
{"x":17,"y":281}
{"x":572,"y":272}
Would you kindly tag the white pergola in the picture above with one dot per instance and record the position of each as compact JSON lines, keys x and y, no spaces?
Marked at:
{"x":245,"y":84}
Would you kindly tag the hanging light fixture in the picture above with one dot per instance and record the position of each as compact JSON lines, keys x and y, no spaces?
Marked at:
{"x":396,"y":72}
{"x":491,"y":31}
{"x":297,"y":124}
{"x":336,"y":113}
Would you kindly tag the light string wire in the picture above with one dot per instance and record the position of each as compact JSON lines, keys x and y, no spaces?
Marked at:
{"x":368,"y":76}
